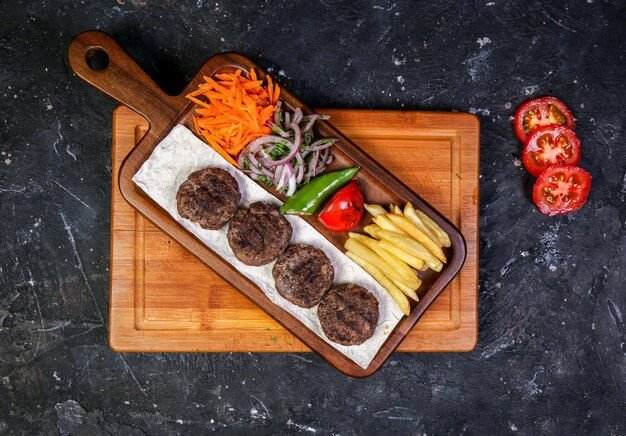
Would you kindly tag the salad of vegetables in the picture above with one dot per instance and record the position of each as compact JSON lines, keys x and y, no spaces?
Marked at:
{"x":291,"y":156}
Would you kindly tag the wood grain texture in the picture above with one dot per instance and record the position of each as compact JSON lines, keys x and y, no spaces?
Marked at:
{"x":123,"y":79}
{"x":164,"y":299}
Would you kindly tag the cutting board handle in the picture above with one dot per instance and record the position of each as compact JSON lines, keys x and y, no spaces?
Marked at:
{"x":100,"y":61}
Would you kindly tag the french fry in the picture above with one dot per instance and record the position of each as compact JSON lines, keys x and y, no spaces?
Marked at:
{"x":395,"y":293}
{"x":421,"y":237}
{"x":374,"y":209}
{"x":406,"y":290}
{"x":395,"y":209}
{"x":413,"y":247}
{"x":386,"y":224}
{"x":372,"y":230}
{"x":434,"y":227}
{"x":359,"y":237}
{"x":411,"y":215}
{"x":409,"y":276}
{"x":407,"y":258}
{"x":436,"y":267}
{"x":369,"y":256}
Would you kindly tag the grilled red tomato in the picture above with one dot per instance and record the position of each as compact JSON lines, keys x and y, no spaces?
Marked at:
{"x":345,"y":209}
{"x":541,"y":112}
{"x":548,"y":146}
{"x":561,"y":189}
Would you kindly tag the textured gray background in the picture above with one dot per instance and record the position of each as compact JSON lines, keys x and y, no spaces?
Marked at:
{"x":551,"y":356}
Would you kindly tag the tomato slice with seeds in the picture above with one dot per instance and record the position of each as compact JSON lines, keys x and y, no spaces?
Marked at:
{"x":561,"y":189}
{"x":552,"y":145}
{"x":541,"y":112}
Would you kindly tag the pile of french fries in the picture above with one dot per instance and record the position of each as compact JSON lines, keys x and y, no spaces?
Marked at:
{"x":401,"y":243}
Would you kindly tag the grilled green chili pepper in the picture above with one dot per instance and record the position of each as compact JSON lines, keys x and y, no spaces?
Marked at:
{"x":311,"y":196}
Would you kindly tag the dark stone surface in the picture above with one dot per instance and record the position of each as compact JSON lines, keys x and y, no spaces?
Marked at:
{"x":551,"y":356}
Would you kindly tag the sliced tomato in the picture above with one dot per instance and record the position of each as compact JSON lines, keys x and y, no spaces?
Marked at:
{"x":345,"y":209}
{"x":549,"y":146}
{"x":541,"y":112}
{"x":561,"y":189}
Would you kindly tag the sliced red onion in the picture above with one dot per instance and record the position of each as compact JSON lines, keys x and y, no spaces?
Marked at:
{"x":297,"y":116}
{"x":257,"y":167}
{"x":254,"y":166}
{"x":287,"y":118}
{"x":281,"y":182}
{"x":322,"y":161}
{"x":285,"y":177}
{"x":321,"y":144}
{"x":297,"y":137}
{"x":325,"y":155}
{"x":311,"y":120}
{"x":266,"y":159}
{"x":292,"y":153}
{"x":292,"y":184}
{"x":277,"y":113}
{"x":313,"y":163}
{"x":300,"y":168}
{"x":241,"y":157}
{"x":254,"y":170}
{"x":278,"y":175}
{"x":277,"y":129}
{"x":257,"y":144}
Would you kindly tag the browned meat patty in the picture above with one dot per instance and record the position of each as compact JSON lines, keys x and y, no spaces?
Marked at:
{"x":348,"y":314}
{"x":208,"y":197}
{"x":303,"y":274}
{"x":259,"y":234}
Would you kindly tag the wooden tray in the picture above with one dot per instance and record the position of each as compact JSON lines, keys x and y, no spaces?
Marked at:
{"x":164,"y":299}
{"x":124,"y":80}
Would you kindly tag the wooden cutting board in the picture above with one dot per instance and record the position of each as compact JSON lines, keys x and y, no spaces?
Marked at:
{"x":164,"y":299}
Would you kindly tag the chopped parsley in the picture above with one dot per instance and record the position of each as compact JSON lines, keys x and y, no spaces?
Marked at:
{"x":308,"y":138}
{"x":279,"y":150}
{"x":275,"y":153}
{"x":264,"y":179}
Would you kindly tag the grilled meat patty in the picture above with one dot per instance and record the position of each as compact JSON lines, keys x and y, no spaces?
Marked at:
{"x":303,"y":274}
{"x":208,"y":197}
{"x":348,"y":314}
{"x":259,"y":234}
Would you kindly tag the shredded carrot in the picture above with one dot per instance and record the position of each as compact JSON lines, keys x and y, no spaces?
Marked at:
{"x":233,"y":109}
{"x":276,"y":94}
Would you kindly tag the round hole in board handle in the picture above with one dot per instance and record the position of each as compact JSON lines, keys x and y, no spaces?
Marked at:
{"x":97,"y":59}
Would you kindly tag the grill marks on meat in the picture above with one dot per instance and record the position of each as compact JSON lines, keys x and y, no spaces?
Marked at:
{"x":303,"y":274}
{"x":259,"y":234}
{"x":208,"y":197}
{"x":348,"y":314}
